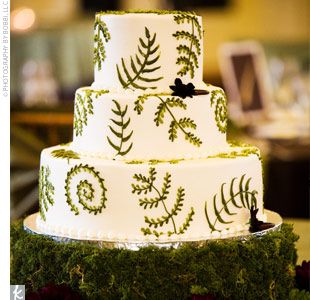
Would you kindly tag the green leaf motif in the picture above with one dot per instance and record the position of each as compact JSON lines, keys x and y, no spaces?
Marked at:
{"x":188,"y":53}
{"x":46,"y":191}
{"x":85,"y":192}
{"x":218,"y":99}
{"x":141,"y":65}
{"x":146,"y":185}
{"x":165,"y":107}
{"x":83,"y":106}
{"x":101,"y":32}
{"x":63,"y":153}
{"x":120,"y":134}
{"x":241,"y":198}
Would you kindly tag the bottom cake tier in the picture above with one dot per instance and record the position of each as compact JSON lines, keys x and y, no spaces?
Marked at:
{"x":95,"y":198}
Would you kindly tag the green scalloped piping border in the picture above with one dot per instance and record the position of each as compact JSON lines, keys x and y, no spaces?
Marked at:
{"x":154,"y":161}
{"x":143,"y":11}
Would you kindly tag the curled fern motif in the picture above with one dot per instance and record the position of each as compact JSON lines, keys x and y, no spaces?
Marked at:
{"x":46,"y":191}
{"x":243,"y":197}
{"x":83,"y":107}
{"x":80,"y":190}
{"x":218,"y":99}
{"x":101,"y":32}
{"x":122,"y":124}
{"x":190,"y":51}
{"x":165,"y":107}
{"x":142,"y":65}
{"x":146,"y":185}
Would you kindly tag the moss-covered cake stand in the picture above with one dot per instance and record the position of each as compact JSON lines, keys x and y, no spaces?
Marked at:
{"x":253,"y":267}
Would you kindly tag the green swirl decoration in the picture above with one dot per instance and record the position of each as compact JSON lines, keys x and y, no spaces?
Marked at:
{"x":85,"y":192}
{"x":46,"y":190}
{"x":101,"y":32}
{"x":189,"y":51}
{"x":83,"y":107}
{"x":218,"y":99}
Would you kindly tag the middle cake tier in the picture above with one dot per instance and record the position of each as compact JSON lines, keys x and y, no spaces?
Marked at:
{"x":149,"y":126}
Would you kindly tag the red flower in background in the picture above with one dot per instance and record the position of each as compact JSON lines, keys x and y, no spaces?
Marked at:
{"x":54,"y":292}
{"x":303,"y":276}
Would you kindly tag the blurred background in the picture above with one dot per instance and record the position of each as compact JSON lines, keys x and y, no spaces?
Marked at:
{"x":257,"y":50}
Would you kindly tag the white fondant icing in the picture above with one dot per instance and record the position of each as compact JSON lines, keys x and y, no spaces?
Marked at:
{"x":125,"y":31}
{"x":109,"y":209}
{"x":123,"y":217}
{"x":146,"y":135}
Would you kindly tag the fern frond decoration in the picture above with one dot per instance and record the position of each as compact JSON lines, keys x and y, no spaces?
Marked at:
{"x":146,"y":185}
{"x":188,"y":53}
{"x":101,"y":32}
{"x":46,"y":191}
{"x":120,"y":134}
{"x":241,"y":198}
{"x":165,"y":107}
{"x":142,"y":64}
{"x":85,"y":192}
{"x":83,"y":106}
{"x":218,"y":99}
{"x":63,"y":153}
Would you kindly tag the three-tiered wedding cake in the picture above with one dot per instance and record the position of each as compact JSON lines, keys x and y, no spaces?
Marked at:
{"x":149,"y":159}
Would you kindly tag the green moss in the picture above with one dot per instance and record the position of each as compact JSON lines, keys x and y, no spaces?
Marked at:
{"x":255,"y":269}
{"x":143,"y":11}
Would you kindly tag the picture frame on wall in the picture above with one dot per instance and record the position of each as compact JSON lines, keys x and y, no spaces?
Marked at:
{"x":245,"y":77}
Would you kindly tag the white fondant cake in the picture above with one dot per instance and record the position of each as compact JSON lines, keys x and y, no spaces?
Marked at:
{"x":149,"y":158}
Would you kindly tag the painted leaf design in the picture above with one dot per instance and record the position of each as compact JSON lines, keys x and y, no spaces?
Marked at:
{"x":101,"y":32}
{"x":241,"y":198}
{"x":146,"y":185}
{"x":119,"y":133}
{"x":83,"y":107}
{"x":142,"y":65}
{"x":165,"y":107}
{"x":46,"y":191}
{"x":189,"y":52}
{"x":63,"y":153}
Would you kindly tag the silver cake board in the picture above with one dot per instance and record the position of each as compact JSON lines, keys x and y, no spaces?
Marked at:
{"x":30,"y":226}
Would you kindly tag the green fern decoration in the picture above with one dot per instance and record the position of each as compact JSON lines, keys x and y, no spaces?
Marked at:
{"x":218,"y":99}
{"x":83,"y":106}
{"x":146,"y":185}
{"x":85,"y":193}
{"x":46,"y":191}
{"x":63,"y":153}
{"x":165,"y":106}
{"x":101,"y":32}
{"x":142,"y":64}
{"x":120,"y":134}
{"x":242,"y":198}
{"x":189,"y":53}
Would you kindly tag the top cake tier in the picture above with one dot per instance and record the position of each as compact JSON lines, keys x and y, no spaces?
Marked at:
{"x":147,"y":50}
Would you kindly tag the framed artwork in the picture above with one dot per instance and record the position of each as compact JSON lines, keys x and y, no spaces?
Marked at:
{"x":245,"y":78}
